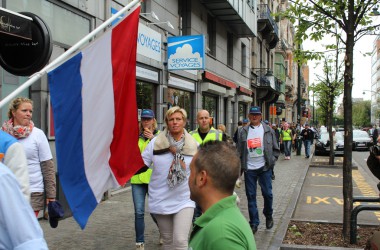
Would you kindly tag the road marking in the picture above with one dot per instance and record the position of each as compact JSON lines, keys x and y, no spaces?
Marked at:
{"x":365,"y":188}
{"x":323,"y":200}
{"x":326,"y":175}
{"x":335,"y":186}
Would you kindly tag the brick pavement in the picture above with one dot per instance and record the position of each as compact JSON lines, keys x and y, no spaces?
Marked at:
{"x":111,"y":226}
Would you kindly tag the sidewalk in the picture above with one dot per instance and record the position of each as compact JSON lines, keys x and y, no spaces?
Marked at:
{"x":111,"y":226}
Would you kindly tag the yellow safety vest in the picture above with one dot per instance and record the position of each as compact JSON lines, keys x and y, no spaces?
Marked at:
{"x":212,"y":135}
{"x":286,"y":135}
{"x":143,"y":178}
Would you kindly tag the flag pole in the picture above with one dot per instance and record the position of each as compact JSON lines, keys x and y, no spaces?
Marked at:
{"x":36,"y":76}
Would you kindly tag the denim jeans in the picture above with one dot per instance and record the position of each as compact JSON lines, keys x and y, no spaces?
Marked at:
{"x":307,"y":144}
{"x":287,"y":147}
{"x":139,"y":192}
{"x":265,"y":181}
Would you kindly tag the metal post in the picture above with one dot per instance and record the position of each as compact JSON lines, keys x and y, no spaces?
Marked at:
{"x":299,"y":91}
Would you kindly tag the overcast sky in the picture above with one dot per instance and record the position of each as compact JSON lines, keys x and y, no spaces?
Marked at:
{"x":362,"y":65}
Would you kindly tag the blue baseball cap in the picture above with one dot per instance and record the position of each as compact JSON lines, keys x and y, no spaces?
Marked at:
{"x":147,"y":113}
{"x":55,"y":211}
{"x":245,"y":121}
{"x":255,"y":110}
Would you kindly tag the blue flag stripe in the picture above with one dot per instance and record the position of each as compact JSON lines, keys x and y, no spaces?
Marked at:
{"x":65,"y":84}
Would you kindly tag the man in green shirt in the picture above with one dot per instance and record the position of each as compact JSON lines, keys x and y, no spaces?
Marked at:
{"x":214,"y":171}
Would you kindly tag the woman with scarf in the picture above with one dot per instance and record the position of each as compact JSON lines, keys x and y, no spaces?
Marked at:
{"x":37,"y":150}
{"x":169,"y":155}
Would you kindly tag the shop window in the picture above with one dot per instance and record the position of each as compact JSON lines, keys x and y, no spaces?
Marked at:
{"x":145,"y":95}
{"x":183,"y":99}
{"x":242,"y":110}
{"x":210,"y":103}
{"x":61,"y":20}
{"x":10,"y":83}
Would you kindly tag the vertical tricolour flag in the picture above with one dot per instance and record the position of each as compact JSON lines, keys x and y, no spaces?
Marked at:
{"x":93,"y":96}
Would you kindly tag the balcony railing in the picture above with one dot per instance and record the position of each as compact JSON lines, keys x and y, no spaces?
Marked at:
{"x":267,"y":26}
{"x":238,"y":15}
{"x":265,"y":16}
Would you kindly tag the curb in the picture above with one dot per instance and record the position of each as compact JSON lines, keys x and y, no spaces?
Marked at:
{"x":283,"y":228}
{"x":289,"y":247}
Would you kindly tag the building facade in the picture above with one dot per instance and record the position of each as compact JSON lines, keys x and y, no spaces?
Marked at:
{"x":248,"y":57}
{"x":375,"y":82}
{"x":223,"y":87}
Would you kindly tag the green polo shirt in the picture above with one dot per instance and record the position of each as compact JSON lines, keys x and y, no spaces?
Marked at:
{"x":222,"y":226}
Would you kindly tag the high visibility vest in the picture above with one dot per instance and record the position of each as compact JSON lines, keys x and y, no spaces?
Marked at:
{"x":143,"y":178}
{"x":212,"y":135}
{"x":286,"y":135}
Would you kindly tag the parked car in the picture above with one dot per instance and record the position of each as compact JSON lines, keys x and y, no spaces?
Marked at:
{"x":322,"y":144}
{"x":361,"y":140}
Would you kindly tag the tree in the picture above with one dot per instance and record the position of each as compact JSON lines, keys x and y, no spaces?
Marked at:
{"x":318,"y":18}
{"x":328,"y":88}
{"x":361,"y":114}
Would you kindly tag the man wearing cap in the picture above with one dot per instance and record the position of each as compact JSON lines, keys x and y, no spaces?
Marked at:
{"x":258,"y":149}
{"x":307,"y":137}
{"x":203,"y":134}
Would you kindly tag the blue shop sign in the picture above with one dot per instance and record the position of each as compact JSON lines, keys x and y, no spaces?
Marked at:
{"x":186,"y":52}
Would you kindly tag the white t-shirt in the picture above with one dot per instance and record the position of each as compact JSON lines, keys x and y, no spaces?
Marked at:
{"x":37,"y":150}
{"x":19,"y":228}
{"x":255,"y":145}
{"x":162,"y":199}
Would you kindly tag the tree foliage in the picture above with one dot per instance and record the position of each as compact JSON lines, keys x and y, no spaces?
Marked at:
{"x":328,"y":88}
{"x":361,"y":114}
{"x":320,"y":18}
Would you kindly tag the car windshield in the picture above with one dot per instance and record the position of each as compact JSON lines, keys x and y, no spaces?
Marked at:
{"x":325,"y":136}
{"x":339,"y":136}
{"x":360,"y":134}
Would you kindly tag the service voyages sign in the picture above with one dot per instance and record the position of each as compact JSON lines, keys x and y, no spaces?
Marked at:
{"x":186,"y":52}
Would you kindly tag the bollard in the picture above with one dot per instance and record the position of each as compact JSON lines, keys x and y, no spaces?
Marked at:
{"x":299,"y":145}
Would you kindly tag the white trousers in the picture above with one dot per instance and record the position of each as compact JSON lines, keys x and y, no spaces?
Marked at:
{"x":175,"y":228}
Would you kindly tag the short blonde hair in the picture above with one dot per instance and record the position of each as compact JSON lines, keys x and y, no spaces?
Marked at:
{"x":15,"y":104}
{"x":173,"y":110}
{"x":222,"y":128}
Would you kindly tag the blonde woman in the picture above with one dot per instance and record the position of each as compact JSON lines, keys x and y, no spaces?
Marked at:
{"x":40,"y":161}
{"x":169,"y":155}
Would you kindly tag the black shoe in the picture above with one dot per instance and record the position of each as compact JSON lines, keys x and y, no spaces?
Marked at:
{"x":254,"y":229}
{"x":269,"y":222}
{"x":307,"y":157}
{"x":273,"y":177}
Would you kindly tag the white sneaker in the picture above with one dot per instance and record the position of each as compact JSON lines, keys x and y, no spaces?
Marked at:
{"x":238,"y":183}
{"x":237,"y":198}
{"x":139,"y":246}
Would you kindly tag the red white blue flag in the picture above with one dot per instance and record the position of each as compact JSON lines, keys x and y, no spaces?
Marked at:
{"x":93,"y":96}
